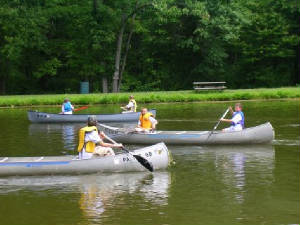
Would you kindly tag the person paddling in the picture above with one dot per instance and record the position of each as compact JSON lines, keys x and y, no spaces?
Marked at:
{"x":90,"y":140}
{"x":131,"y":106}
{"x":237,"y":121}
{"x":147,"y":122}
{"x":67,"y":107}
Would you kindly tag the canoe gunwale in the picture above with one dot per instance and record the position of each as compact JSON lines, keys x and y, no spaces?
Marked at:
{"x":158,"y":155}
{"x":263,"y":133}
{"x":44,"y":117}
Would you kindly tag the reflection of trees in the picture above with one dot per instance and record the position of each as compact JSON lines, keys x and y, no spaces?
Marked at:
{"x":98,"y":193}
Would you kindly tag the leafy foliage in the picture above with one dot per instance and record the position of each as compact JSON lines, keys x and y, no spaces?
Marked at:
{"x":50,"y":46}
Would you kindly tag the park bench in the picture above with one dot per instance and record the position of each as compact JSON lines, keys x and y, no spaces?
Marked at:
{"x":209,"y":86}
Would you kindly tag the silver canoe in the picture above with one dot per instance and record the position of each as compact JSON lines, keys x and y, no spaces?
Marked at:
{"x":254,"y":135}
{"x":42,"y":117}
{"x":158,"y":155}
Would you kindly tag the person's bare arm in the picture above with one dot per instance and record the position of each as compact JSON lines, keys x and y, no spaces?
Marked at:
{"x":226,"y":120}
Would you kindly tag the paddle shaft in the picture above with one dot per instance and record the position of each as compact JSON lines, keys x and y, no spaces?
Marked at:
{"x":215,"y":127}
{"x":220,"y":119}
{"x":81,"y":108}
{"x":112,"y":141}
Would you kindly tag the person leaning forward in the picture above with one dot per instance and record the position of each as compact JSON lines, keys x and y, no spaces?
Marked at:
{"x":147,"y":122}
{"x":91,"y":143}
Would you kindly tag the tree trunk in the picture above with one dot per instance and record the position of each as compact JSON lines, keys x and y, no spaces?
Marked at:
{"x":2,"y":85}
{"x":118,"y":55}
{"x":104,"y":85}
{"x":125,"y":55}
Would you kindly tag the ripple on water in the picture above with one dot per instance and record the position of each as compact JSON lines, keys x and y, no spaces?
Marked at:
{"x":286,"y":142}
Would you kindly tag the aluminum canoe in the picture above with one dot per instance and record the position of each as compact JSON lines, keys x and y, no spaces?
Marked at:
{"x":158,"y":155}
{"x":43,"y":117}
{"x":263,"y":133}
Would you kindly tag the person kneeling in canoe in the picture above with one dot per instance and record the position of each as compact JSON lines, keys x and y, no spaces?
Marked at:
{"x":147,"y":122}
{"x":131,"y":106}
{"x":91,"y":143}
{"x":237,"y":121}
{"x":67,"y":107}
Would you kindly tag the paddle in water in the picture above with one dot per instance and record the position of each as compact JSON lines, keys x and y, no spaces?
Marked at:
{"x":144,"y":162}
{"x":215,"y":127}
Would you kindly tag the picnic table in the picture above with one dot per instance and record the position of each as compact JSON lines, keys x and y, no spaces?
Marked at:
{"x":207,"y":86}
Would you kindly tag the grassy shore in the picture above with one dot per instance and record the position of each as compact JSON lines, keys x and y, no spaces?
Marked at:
{"x":151,"y":97}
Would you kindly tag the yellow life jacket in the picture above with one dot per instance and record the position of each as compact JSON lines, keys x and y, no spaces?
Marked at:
{"x":89,"y":146}
{"x":145,"y":121}
{"x":135,"y":105}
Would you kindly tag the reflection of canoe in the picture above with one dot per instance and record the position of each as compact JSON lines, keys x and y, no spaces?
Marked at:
{"x":255,"y":135}
{"x":157,"y":154}
{"x":41,"y":117}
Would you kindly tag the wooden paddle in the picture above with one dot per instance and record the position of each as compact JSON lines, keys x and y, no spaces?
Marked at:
{"x":144,"y":162}
{"x":80,"y":108}
{"x":215,"y":127}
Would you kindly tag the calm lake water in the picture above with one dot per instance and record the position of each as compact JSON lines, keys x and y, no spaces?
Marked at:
{"x":256,"y":184}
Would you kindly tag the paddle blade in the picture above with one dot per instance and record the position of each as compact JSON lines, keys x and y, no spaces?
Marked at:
{"x":144,"y":162}
{"x":81,"y":108}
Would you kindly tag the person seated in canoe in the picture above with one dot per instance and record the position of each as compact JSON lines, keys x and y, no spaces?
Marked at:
{"x":131,"y":106}
{"x":147,"y":122}
{"x":237,"y":121}
{"x":67,"y":107}
{"x":91,"y":141}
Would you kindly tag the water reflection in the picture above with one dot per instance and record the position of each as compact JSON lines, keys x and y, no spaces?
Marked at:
{"x":235,"y":164}
{"x":235,"y":169}
{"x":65,"y":133}
{"x":98,"y":193}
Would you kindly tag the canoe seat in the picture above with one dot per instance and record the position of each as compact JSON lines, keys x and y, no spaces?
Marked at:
{"x":182,"y":132}
{"x":39,"y":159}
{"x":2,"y":160}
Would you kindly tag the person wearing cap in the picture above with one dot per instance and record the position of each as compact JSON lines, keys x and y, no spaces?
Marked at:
{"x":131,"y":106}
{"x":67,"y":107}
{"x":90,"y":140}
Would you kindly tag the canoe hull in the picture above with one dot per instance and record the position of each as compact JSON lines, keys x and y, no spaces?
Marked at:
{"x":255,"y":135}
{"x":157,"y":154}
{"x":41,"y":117}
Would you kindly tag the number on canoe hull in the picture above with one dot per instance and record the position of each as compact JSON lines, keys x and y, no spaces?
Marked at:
{"x":147,"y":154}
{"x":42,"y":116}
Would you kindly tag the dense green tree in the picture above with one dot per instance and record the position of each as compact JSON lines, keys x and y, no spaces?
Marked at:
{"x":139,"y":45}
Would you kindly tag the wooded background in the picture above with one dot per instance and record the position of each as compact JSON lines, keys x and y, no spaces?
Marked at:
{"x":139,"y":45}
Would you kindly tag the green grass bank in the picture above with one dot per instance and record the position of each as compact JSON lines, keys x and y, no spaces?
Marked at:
{"x":151,"y":97}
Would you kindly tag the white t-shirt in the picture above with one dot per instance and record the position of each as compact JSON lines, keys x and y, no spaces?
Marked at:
{"x":237,"y":118}
{"x":236,"y":127}
{"x":90,"y":136}
{"x":130,"y":105}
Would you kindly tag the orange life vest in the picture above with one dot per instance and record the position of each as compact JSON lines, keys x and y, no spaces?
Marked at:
{"x":145,"y":121}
